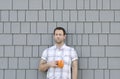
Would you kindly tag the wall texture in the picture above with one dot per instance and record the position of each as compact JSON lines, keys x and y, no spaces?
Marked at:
{"x":93,"y":28}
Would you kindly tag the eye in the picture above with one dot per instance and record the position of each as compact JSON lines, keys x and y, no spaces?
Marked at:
{"x":60,"y":34}
{"x":56,"y":34}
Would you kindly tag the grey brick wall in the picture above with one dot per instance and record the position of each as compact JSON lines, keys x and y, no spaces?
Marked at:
{"x":93,"y":28}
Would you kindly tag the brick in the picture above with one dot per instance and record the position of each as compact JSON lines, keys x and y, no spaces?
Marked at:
{"x":7,"y":28}
{"x":86,"y":4}
{"x":20,"y":4}
{"x":92,"y":16}
{"x":35,"y":51}
{"x":66,"y":16}
{"x":111,"y":49}
{"x":97,"y":51}
{"x":85,"y":39}
{"x":41,"y":75}
{"x":42,"y":15}
{"x":41,"y":49}
{"x":25,"y":27}
{"x":9,"y":51}
{"x":114,"y":63}
{"x":27,"y":51}
{"x":13,"y":15}
{"x":88,"y":27}
{"x":20,"y":74}
{"x":1,"y":27}
{"x":93,"y":39}
{"x":71,"y":27}
{"x":15,"y":28}
{"x":78,"y":50}
{"x":4,"y":15}
{"x":1,"y":51}
{"x":53,"y":4}
{"x":1,"y":74}
{"x":103,"y":39}
{"x":33,"y":39}
{"x":33,"y":28}
{"x":80,"y":74}
{"x":57,"y":16}
{"x":12,"y":63}
{"x":85,"y":51}
{"x":106,"y":16}
{"x":5,"y":4}
{"x":51,"y":27}
{"x":21,"y":15}
{"x":115,"y":4}
{"x":46,"y":4}
{"x":64,"y":25}
{"x":75,"y":39}
{"x":89,"y":74}
{"x":23,"y":63}
{"x":42,"y":27}
{"x":105,"y":27}
{"x":79,"y":40}
{"x":5,"y":39}
{"x":69,"y":40}
{"x":97,"y":28}
{"x":18,"y":51}
{"x":117,"y":15}
{"x":81,"y":16}
{"x":34,"y":62}
{"x":30,"y":17}
{"x":35,"y":4}
{"x":99,"y":74}
{"x":103,"y":63}
{"x":93,"y":63}
{"x":83,"y":63}
{"x":31,"y":74}
{"x":73,"y":15}
{"x":3,"y":63}
{"x":19,"y":39}
{"x":115,"y":74}
{"x":99,"y":4}
{"x":106,"y":4}
{"x":115,"y":27}
{"x":60,"y":4}
{"x":79,"y":28}
{"x":69,"y":4}
{"x":114,"y":39}
{"x":80,"y":4}
{"x":107,"y":74}
{"x":45,"y":39}
{"x":93,"y":4}
{"x":9,"y":74}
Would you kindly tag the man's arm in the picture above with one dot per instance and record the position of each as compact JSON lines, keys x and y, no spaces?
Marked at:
{"x":75,"y":69}
{"x":44,"y":66}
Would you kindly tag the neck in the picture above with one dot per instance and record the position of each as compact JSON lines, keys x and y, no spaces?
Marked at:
{"x":60,"y":45}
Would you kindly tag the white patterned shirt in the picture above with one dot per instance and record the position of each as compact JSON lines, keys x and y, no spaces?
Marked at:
{"x":65,"y":53}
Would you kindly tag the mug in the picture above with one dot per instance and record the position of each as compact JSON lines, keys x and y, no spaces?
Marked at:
{"x":60,"y":63}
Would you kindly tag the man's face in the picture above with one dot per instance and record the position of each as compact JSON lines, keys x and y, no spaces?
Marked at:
{"x":59,"y":36}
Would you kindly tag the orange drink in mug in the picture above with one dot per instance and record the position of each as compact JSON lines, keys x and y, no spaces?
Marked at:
{"x":60,"y":63}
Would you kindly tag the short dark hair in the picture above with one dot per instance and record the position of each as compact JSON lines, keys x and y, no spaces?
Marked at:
{"x":60,"y":28}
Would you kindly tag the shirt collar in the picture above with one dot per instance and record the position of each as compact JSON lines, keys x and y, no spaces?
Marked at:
{"x":62,"y":47}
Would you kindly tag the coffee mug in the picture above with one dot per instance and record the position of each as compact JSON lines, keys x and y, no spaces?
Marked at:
{"x":60,"y":63}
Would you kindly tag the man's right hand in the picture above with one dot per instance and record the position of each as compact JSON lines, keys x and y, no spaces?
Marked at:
{"x":52,"y":64}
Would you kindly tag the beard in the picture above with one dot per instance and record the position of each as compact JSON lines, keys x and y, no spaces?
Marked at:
{"x":58,"y":42}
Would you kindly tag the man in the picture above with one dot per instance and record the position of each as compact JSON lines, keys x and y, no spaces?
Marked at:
{"x":57,"y":52}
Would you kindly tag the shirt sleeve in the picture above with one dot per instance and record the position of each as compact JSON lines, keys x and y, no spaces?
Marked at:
{"x":74,"y":54}
{"x":44,"y":55}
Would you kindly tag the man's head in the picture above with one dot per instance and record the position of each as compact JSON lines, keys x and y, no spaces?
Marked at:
{"x":59,"y":35}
